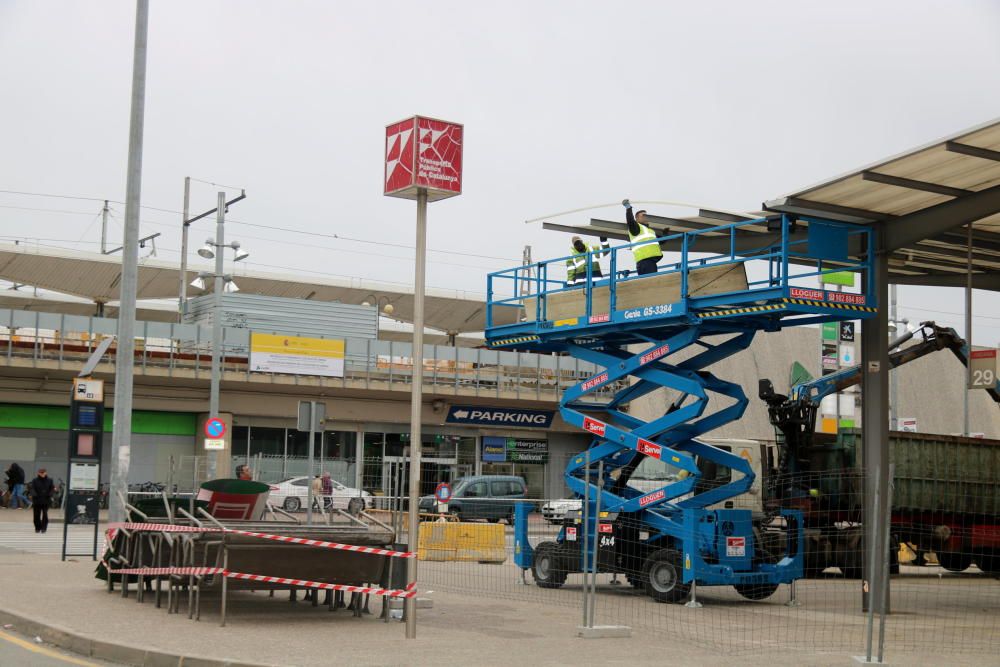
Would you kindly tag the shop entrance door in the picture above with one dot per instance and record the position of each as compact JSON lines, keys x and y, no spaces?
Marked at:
{"x":433,"y":470}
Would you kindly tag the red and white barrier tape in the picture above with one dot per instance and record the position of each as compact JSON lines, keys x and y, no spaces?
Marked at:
{"x":172,"y":528}
{"x":408,"y":592}
{"x":326,"y":545}
{"x":161,"y":571}
{"x":386,"y":592}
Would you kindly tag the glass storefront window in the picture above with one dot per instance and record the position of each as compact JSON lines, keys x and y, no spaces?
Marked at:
{"x":340,"y":445}
{"x":267,"y":441}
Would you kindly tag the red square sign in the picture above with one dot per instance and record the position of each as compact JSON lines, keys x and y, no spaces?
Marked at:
{"x":423,"y":153}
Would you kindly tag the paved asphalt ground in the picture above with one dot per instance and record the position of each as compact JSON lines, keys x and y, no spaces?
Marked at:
{"x":480,"y":616}
{"x":20,"y":651}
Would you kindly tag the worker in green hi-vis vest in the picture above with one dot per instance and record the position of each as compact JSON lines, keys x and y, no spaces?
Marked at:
{"x":647,"y":251}
{"x":576,"y":263}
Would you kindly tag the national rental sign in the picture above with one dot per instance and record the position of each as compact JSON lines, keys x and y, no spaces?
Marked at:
{"x":514,"y":450}
{"x":486,"y":416}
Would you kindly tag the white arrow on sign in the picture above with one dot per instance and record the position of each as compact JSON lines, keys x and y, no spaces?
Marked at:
{"x":460,"y":414}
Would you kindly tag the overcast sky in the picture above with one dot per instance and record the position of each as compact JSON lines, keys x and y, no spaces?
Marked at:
{"x":565,"y":104}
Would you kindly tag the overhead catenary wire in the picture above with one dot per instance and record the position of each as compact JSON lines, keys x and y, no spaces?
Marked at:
{"x":289,"y":230}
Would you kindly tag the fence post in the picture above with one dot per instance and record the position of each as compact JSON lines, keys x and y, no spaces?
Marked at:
{"x":886,"y":546}
{"x":870,"y":617}
{"x":583,"y":539}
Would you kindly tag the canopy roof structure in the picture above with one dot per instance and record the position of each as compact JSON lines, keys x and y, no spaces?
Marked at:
{"x":921,"y":198}
{"x":95,"y":277}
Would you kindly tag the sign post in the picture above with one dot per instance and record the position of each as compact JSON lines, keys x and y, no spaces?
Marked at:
{"x":423,"y":161}
{"x":83,"y":470}
{"x":312,"y":414}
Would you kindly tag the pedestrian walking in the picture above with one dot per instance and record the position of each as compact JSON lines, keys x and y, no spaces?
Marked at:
{"x":576,"y":263}
{"x":647,"y":251}
{"x":317,"y":491}
{"x":41,"y":489}
{"x":15,"y":482}
{"x":327,"y":488}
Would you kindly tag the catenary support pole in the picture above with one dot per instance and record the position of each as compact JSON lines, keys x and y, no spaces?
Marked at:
{"x":121,"y":437}
{"x":874,"y":414}
{"x":182,"y":293}
{"x":416,"y":402}
{"x":213,"y":399}
{"x":104,"y":228}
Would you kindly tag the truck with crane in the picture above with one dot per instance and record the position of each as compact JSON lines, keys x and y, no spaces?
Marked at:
{"x":665,"y":329}
{"x":947,"y":492}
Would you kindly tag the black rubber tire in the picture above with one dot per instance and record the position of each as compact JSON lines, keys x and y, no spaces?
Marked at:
{"x":989,"y":562}
{"x":662,"y":574}
{"x":546,"y":567}
{"x":954,"y":561}
{"x":292,"y":504}
{"x":355,"y":506}
{"x":756,"y":591}
{"x":851,"y":565}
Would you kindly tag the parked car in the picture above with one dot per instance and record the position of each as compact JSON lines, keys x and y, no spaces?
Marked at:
{"x":554,"y":511}
{"x":489,"y":497}
{"x":291,"y":494}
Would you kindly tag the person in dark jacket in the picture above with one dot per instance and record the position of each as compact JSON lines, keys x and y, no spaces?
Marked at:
{"x":15,"y":482}
{"x":41,"y":489}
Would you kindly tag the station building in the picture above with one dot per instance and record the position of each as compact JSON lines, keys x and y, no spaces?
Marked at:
{"x":484,"y":411}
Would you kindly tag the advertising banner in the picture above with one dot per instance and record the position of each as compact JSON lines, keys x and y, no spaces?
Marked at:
{"x":296,"y":355}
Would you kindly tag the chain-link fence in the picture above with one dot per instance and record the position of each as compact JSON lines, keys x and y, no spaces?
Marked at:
{"x":943,"y":594}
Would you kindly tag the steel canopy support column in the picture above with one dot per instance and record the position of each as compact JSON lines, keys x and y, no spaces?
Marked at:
{"x":875,"y":418}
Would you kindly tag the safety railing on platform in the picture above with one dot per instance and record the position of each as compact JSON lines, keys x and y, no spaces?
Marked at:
{"x":792,"y":257}
{"x":68,"y":340}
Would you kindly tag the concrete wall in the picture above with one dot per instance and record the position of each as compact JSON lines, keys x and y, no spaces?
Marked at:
{"x":930,"y":389}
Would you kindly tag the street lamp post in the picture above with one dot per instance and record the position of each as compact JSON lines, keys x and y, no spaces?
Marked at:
{"x":185,"y":223}
{"x":216,"y":249}
{"x":213,"y":400}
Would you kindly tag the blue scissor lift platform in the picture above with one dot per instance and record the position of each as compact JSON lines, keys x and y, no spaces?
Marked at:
{"x":711,"y":305}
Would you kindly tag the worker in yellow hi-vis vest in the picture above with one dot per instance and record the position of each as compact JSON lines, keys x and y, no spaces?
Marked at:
{"x":646,"y":251}
{"x":576,"y":263}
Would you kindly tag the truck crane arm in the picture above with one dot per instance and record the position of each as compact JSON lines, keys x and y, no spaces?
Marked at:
{"x":795,"y":415}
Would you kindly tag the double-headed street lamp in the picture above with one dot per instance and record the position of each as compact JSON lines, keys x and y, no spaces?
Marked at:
{"x":223,"y":283}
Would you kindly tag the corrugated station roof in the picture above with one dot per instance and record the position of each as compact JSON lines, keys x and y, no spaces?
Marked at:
{"x":923,"y":197}
{"x":96,"y":277}
{"x":954,"y":178}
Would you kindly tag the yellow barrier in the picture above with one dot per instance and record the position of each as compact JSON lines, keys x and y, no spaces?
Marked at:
{"x":480,"y":542}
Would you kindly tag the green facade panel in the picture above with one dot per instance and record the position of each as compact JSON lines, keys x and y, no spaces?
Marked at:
{"x":56,"y":418}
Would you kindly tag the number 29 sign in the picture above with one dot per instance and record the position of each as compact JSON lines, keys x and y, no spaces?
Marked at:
{"x":982,"y":369}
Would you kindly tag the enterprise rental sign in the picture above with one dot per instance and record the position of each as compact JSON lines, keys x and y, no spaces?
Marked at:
{"x":514,"y":450}
{"x":486,"y":416}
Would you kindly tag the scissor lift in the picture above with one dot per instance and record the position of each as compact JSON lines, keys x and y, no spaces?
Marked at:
{"x":708,"y":307}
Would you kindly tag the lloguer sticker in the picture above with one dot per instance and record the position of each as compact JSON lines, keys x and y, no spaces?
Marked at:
{"x":736,"y":547}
